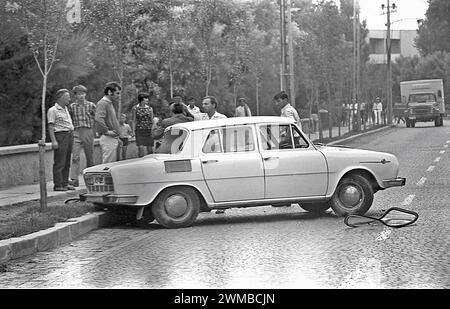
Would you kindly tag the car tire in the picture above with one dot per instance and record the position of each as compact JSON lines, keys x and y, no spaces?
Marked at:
{"x":316,"y":208}
{"x":353,"y":195}
{"x":176,"y":207}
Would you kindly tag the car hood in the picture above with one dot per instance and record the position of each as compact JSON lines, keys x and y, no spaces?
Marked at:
{"x":361,"y":154}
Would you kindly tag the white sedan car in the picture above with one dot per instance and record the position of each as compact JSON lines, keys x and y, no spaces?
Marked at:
{"x":240,"y":162}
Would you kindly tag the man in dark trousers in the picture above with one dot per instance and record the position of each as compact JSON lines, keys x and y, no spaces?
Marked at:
{"x":60,"y":129}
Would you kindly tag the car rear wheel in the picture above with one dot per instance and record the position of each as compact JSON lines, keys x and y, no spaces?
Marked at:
{"x":176,"y":207}
{"x":353,"y":195}
{"x":316,"y":208}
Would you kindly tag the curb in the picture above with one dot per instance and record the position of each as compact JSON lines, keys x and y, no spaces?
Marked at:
{"x":361,"y":134}
{"x":51,"y":238}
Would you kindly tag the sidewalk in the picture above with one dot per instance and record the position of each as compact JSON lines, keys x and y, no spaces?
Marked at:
{"x":27,"y":193}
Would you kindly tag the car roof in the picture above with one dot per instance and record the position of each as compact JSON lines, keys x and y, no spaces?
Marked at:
{"x":203,"y":124}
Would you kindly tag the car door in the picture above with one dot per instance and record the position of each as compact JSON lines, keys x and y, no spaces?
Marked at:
{"x":232,"y":166}
{"x":292,"y":166}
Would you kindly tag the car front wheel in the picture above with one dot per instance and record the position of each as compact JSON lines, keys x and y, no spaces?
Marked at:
{"x":353,"y":195}
{"x":176,"y":207}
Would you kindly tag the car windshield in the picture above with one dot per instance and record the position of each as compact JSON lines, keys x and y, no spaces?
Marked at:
{"x":172,"y":142}
{"x":422,"y":98}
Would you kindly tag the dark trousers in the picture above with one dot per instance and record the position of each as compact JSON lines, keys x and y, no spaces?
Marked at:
{"x":61,"y":158}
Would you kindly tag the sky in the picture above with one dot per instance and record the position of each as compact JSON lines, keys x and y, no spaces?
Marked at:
{"x":405,"y":17}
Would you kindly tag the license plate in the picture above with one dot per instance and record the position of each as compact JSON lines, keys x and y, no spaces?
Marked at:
{"x":412,"y":117}
{"x":99,"y":180}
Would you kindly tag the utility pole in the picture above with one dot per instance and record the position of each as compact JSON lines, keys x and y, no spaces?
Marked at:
{"x":291,"y":55}
{"x":283,"y":45}
{"x":356,"y":66}
{"x":388,"y":59}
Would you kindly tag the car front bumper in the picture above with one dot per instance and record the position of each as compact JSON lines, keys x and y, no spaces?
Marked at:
{"x":110,"y":199}
{"x":396,"y":182}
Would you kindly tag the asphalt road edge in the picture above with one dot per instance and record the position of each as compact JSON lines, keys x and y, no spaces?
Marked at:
{"x":65,"y":232}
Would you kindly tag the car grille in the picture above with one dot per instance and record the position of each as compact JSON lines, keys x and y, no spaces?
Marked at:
{"x":99,"y":182}
{"x":421,"y":110}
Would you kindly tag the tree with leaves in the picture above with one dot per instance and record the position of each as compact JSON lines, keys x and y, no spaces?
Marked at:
{"x":45,"y":24}
{"x":433,"y":34}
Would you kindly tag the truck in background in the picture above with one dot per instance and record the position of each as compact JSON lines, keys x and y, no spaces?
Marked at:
{"x":424,"y":101}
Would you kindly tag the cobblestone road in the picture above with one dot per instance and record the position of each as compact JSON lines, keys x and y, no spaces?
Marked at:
{"x":268,"y":247}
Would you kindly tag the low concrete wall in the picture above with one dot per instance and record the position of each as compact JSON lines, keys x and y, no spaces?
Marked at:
{"x":19,"y":165}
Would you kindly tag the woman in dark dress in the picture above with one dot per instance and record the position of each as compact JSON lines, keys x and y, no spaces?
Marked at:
{"x":142,"y":124}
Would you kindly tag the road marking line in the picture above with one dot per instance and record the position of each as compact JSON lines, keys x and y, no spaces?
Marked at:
{"x":437,"y":159}
{"x":385,"y":234}
{"x":408,"y":200}
{"x":448,"y":142}
{"x":445,"y":146}
{"x":421,"y":181}
{"x":431,"y":168}
{"x":442,"y":151}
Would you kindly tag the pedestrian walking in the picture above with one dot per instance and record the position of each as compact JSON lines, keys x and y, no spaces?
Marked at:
{"x":142,"y":122}
{"x":125,"y":133}
{"x":242,"y":110}
{"x":281,"y":100}
{"x":83,"y":118}
{"x":60,"y":129}
{"x":106,"y":122}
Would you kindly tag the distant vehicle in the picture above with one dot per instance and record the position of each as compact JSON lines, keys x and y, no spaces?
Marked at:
{"x":424,"y":101}
{"x":240,"y":162}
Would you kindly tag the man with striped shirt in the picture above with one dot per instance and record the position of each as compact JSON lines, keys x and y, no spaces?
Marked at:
{"x":83,"y":117}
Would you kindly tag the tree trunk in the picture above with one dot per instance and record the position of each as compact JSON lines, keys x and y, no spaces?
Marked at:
{"x":208,"y":78}
{"x":257,"y":97}
{"x":41,"y":145}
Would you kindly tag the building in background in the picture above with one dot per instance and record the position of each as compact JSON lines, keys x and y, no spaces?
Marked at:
{"x":402,"y":45}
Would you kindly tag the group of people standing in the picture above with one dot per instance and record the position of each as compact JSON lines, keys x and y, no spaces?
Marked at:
{"x":369,"y":112}
{"x":73,"y":126}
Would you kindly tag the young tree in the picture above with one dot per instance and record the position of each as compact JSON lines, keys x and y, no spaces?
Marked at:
{"x":45,"y":23}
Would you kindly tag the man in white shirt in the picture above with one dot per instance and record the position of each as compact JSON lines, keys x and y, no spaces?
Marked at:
{"x":209,"y":104}
{"x":60,"y":128}
{"x":377,"y":108}
{"x":281,"y":100}
{"x":242,"y":110}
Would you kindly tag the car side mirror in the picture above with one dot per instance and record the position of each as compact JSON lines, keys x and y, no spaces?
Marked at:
{"x":394,"y":217}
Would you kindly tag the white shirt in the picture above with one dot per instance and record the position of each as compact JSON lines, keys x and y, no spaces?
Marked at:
{"x":204,"y":116}
{"x":194,"y":110}
{"x":240,"y":111}
{"x":377,"y":106}
{"x":289,"y":111}
{"x":60,"y":117}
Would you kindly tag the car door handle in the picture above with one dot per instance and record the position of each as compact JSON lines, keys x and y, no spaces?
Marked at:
{"x":269,"y":158}
{"x":210,"y":161}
